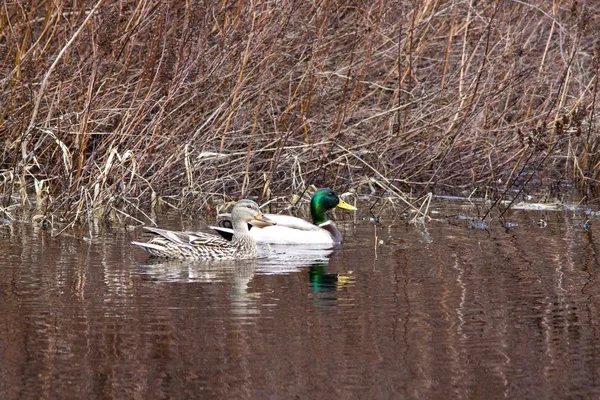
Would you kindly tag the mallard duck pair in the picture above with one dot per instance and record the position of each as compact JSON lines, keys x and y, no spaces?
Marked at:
{"x":239,"y":242}
{"x":293,"y":230}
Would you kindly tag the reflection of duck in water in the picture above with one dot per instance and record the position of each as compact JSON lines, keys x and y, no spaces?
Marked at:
{"x":203,"y":246}
{"x":237,"y":275}
{"x":293,"y":230}
{"x":243,"y":299}
{"x":322,"y":281}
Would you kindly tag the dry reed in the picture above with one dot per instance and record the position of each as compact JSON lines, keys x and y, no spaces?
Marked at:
{"x":109,"y":107}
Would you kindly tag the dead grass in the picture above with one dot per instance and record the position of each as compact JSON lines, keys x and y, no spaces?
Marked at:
{"x":109,"y":107}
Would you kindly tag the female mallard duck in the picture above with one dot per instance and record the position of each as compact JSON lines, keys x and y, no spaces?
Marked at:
{"x":204,"y":246}
{"x":293,"y":230}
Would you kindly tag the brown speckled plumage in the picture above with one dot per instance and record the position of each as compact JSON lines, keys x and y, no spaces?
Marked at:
{"x":203,"y":246}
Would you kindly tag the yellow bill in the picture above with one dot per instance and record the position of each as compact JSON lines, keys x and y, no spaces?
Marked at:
{"x":345,"y":206}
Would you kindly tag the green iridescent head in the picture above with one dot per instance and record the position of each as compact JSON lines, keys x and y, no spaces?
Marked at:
{"x":323,"y":200}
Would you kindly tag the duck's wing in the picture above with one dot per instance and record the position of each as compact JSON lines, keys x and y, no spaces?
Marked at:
{"x":289,"y":222}
{"x":224,"y":222}
{"x":288,"y":230}
{"x":190,"y":238}
{"x":226,"y":233}
{"x":278,"y":234}
{"x":207,"y":240}
{"x":286,"y":235}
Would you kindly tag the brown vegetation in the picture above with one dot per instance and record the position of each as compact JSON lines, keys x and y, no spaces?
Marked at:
{"x":107,"y":105}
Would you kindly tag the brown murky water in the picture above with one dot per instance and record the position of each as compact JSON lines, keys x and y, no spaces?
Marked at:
{"x":433,"y":311}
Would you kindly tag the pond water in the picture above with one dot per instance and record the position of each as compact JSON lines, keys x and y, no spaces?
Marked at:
{"x":436,"y":310}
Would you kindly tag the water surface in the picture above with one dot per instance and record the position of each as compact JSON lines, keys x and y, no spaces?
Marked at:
{"x":435,"y":310}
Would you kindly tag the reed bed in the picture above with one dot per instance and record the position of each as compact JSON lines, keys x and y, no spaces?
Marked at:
{"x":109,"y":107}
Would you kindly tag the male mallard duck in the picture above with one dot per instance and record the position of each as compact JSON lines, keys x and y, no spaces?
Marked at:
{"x":293,"y":230}
{"x":204,"y":246}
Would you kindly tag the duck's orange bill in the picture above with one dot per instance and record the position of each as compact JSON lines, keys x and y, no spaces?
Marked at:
{"x":260,"y":217}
